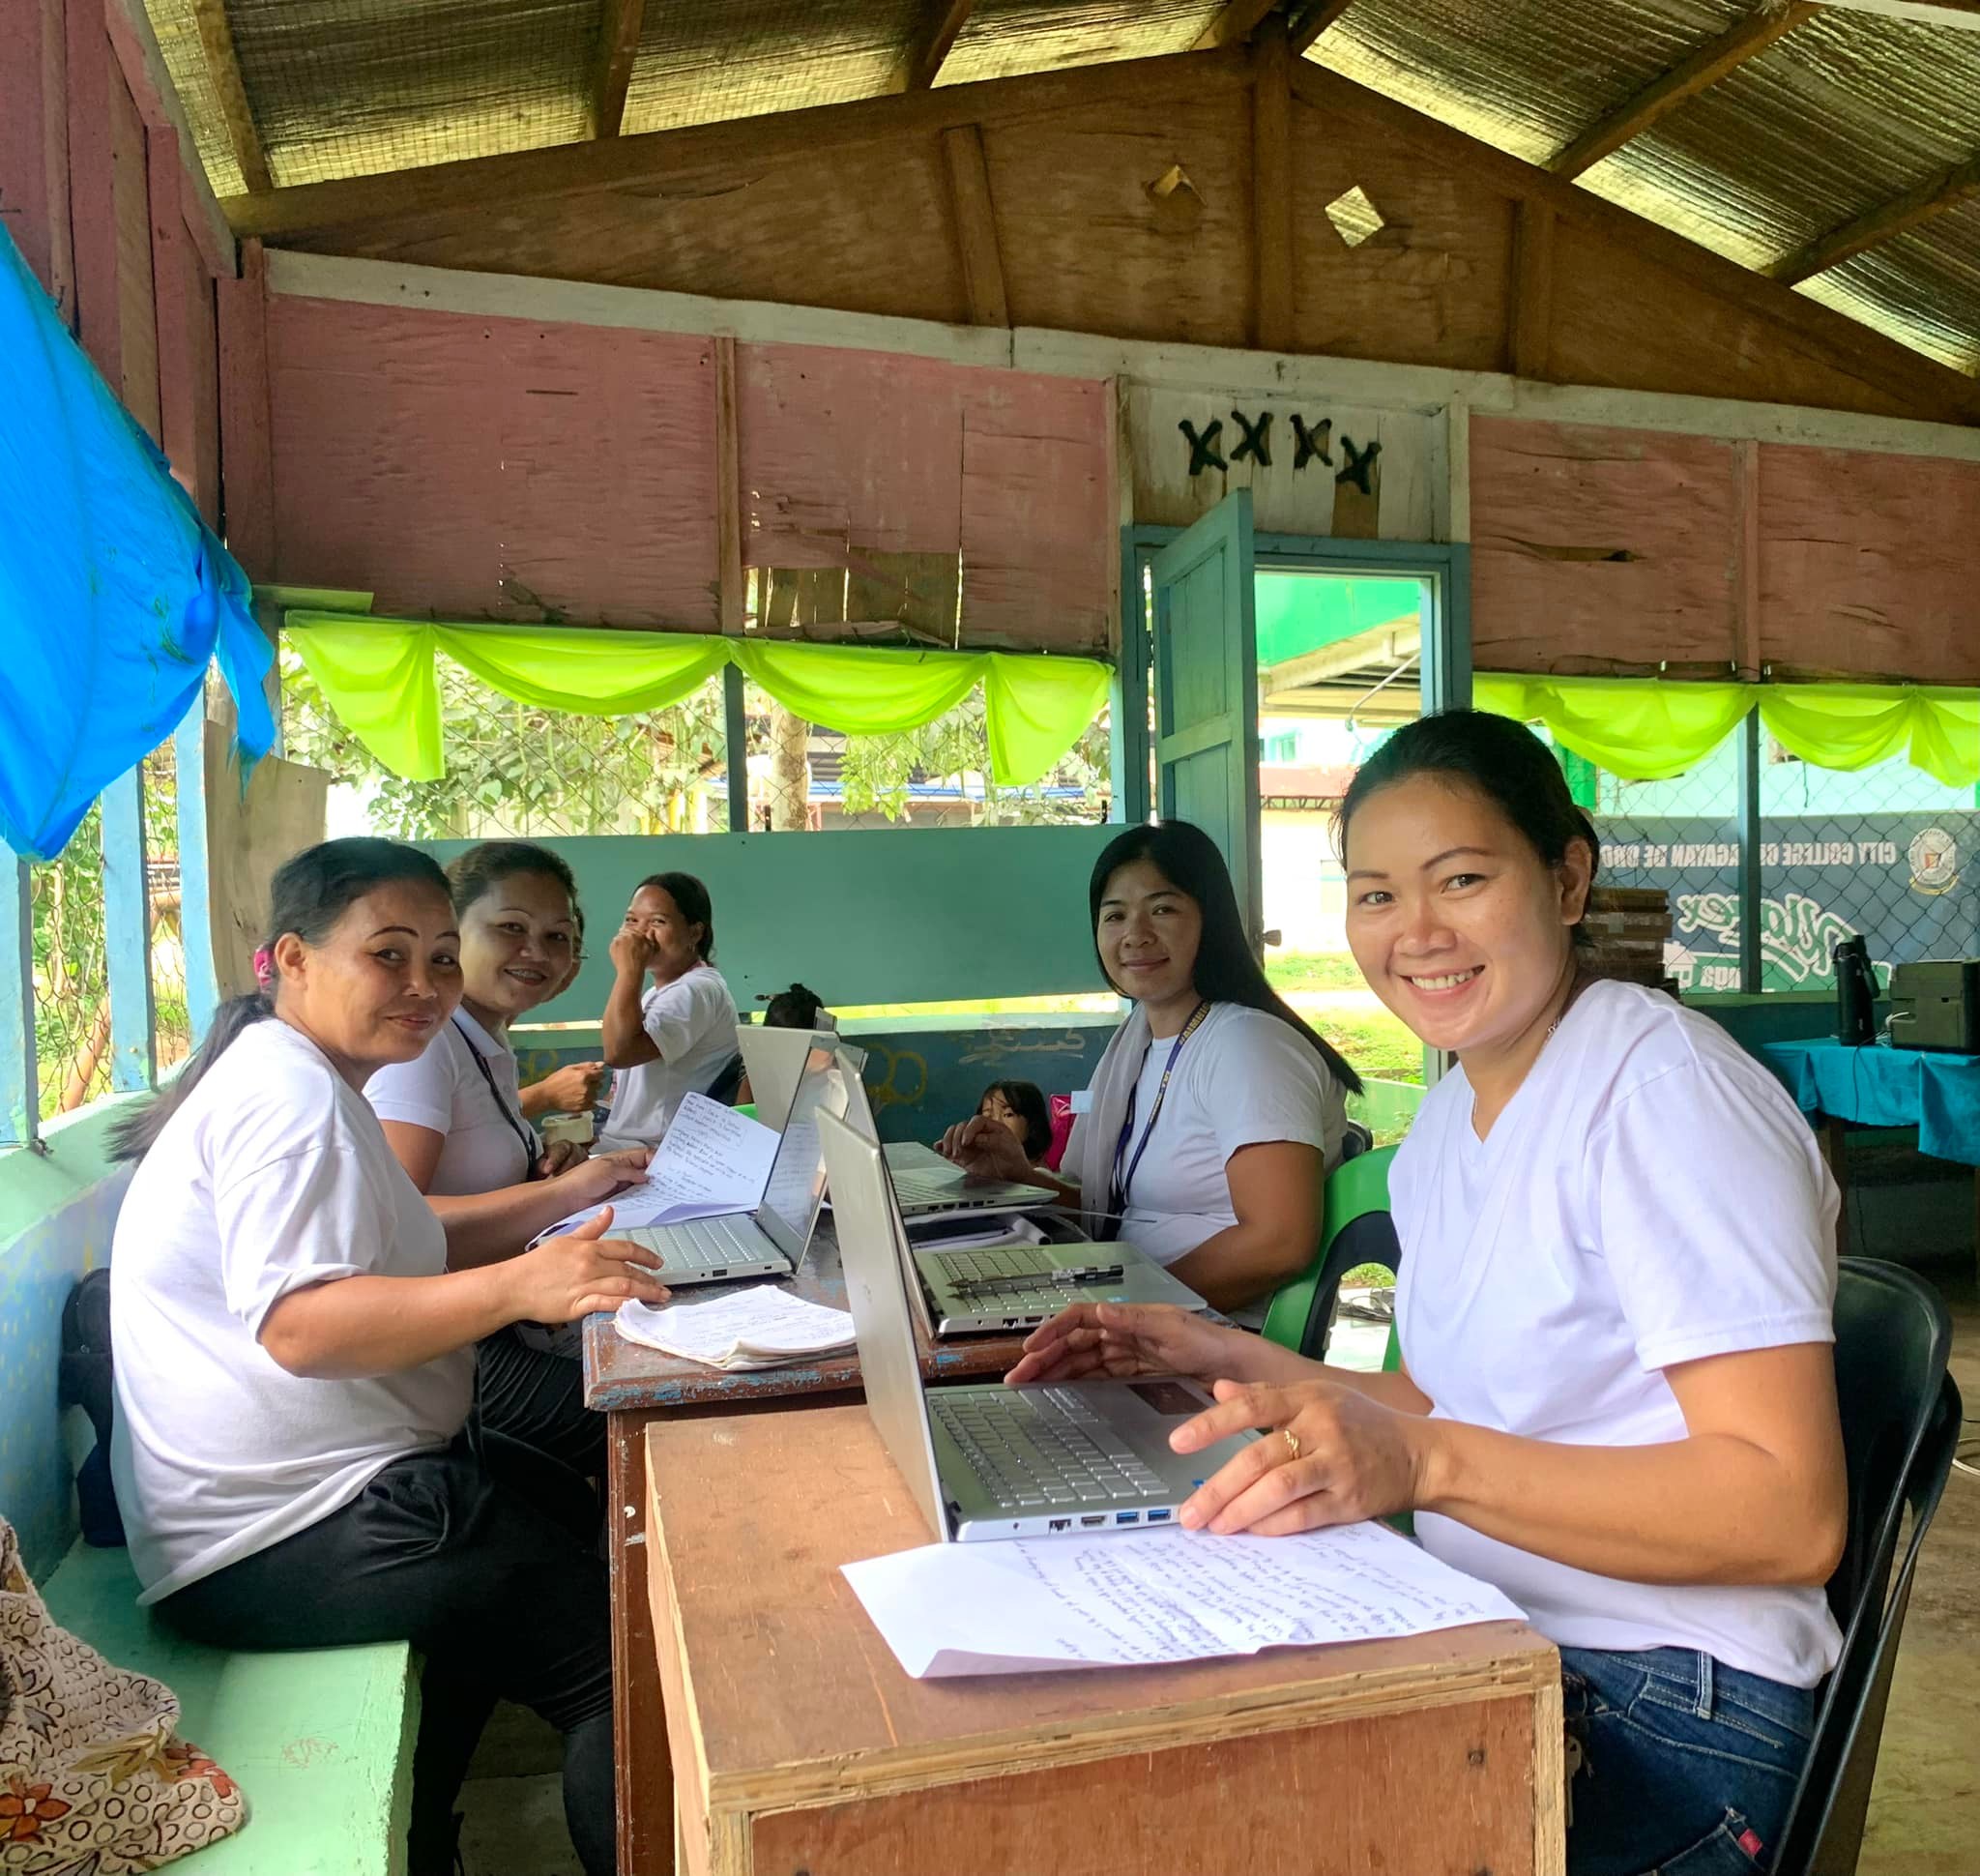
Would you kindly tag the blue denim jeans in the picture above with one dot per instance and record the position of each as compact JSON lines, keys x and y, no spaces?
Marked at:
{"x":1686,"y":1767}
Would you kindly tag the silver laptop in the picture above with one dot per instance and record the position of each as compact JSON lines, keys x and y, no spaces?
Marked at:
{"x":1059,"y":1461}
{"x":992,"y":1289}
{"x":923,"y":1181}
{"x":772,"y":1240}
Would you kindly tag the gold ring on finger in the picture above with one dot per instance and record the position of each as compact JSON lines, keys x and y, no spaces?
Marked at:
{"x":1291,"y":1440}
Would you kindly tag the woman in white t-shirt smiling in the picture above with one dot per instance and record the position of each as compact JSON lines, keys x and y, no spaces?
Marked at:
{"x":295,"y":1361}
{"x":1215,"y":1112}
{"x":1615,"y":1306}
{"x":454,"y":1117}
{"x":675,"y":1037}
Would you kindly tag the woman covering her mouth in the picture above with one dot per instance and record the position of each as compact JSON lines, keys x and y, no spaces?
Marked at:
{"x":454,"y":1118}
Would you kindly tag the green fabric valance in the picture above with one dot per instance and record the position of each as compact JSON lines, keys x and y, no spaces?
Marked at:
{"x":1648,"y":729}
{"x":377,"y":674}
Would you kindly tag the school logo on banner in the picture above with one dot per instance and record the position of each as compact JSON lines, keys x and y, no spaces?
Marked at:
{"x":1934,"y":858}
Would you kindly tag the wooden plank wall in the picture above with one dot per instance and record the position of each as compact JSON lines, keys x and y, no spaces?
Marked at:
{"x":1614,"y":551}
{"x":520,"y":469}
{"x":94,"y":192}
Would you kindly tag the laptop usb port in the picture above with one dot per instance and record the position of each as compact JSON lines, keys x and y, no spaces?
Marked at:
{"x":1087,"y":1523}
{"x":1127,"y":1517}
{"x":1059,"y":1524}
{"x":1158,"y":1517}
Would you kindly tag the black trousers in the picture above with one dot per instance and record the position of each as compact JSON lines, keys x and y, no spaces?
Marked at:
{"x":537,"y":1399}
{"x":485,"y":1557}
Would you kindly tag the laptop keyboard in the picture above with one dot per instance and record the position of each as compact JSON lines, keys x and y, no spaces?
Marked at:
{"x":713,"y":1244}
{"x":1036,"y":1453}
{"x":998,"y":1265}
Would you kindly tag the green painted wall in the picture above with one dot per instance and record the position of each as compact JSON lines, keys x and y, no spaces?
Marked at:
{"x":909,"y":915}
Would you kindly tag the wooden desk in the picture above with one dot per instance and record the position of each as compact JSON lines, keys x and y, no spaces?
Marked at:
{"x":798,"y":1744}
{"x":636,"y":1387}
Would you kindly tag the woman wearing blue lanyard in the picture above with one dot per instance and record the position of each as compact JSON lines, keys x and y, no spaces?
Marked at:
{"x":453,"y":1117}
{"x":1214,"y":1112}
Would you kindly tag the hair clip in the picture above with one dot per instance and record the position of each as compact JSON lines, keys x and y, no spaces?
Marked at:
{"x":264,"y":967}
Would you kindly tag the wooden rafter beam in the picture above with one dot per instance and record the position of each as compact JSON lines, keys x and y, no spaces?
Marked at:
{"x":216,"y":39}
{"x":1705,"y":67}
{"x":942,"y":22}
{"x":974,"y":213}
{"x":1884,"y":222}
{"x":653,"y":156}
{"x":1316,"y":19}
{"x":1235,"y":22}
{"x":618,"y":31}
{"x":1273,"y":239}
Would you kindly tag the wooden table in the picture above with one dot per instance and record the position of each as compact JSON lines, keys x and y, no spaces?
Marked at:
{"x":637,"y":1387}
{"x":800,"y":1745}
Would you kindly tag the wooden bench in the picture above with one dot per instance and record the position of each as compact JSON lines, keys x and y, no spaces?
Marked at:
{"x":320,"y":1739}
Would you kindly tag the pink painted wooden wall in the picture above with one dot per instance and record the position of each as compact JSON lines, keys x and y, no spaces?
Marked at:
{"x":1869,"y":564}
{"x":1598,"y":550}
{"x":493,"y":468}
{"x":843,"y":448}
{"x":498,"y":468}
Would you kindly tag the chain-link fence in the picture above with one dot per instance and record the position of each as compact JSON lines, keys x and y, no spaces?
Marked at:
{"x":1885,"y":852}
{"x":513,"y":769}
{"x":72,"y":989}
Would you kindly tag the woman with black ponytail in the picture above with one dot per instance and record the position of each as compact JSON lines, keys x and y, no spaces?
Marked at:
{"x":295,"y":1361}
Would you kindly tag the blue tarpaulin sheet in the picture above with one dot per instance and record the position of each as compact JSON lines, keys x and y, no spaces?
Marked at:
{"x":114,"y":595}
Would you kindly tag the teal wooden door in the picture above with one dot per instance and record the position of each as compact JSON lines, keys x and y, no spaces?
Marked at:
{"x":1207,"y":691}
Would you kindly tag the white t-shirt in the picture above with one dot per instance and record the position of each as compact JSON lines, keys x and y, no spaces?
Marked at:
{"x":1244,"y":1078}
{"x":1649,"y":1197}
{"x":273,"y":1175}
{"x":692,"y":1023}
{"x":481,"y":1148}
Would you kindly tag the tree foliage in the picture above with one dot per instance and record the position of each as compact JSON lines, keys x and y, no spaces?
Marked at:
{"x":515,"y":769}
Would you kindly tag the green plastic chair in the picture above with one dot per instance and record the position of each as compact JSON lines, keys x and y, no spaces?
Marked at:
{"x":1300,"y":1311}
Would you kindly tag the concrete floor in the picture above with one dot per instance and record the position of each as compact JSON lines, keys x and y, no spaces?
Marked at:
{"x":1925,"y":1810}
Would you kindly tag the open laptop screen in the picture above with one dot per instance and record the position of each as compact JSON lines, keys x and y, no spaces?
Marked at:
{"x":797,"y":1176}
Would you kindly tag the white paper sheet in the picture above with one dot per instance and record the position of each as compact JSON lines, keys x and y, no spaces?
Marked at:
{"x":1027,"y":1603}
{"x":714,"y":1161}
{"x":761,"y":1327}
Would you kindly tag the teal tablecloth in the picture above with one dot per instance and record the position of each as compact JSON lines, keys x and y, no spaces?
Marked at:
{"x":1939,"y":1095}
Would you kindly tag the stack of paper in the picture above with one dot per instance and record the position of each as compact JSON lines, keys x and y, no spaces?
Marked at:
{"x":761,"y":1327}
{"x":1026,"y":1603}
{"x":713,"y":1163}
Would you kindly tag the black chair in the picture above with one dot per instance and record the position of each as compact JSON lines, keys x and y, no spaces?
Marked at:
{"x":1900,"y":1423}
{"x":727,"y":1085}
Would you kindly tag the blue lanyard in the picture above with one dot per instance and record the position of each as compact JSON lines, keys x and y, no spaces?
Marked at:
{"x":1119,"y":1187}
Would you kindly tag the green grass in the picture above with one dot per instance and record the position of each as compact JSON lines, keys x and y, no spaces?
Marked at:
{"x":1375,"y":1042}
{"x":1373,"y":1277}
{"x":1312,"y":970}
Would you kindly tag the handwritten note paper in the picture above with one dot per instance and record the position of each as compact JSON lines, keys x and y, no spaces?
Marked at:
{"x":714,"y":1161}
{"x":761,"y":1327}
{"x":1030,"y":1604}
